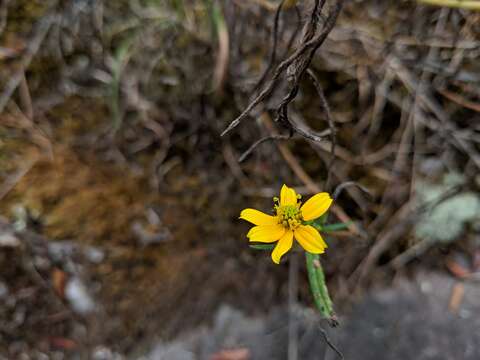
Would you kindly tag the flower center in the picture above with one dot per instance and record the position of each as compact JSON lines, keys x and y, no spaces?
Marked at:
{"x":289,"y":216}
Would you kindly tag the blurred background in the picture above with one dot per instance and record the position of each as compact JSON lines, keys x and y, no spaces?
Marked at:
{"x":119,"y":199}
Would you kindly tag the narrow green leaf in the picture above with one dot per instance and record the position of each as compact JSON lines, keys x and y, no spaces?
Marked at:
{"x":262,"y":246}
{"x":316,"y":226}
{"x":336,"y":226}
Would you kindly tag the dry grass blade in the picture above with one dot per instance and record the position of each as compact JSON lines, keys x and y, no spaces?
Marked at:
{"x":15,"y":80}
{"x":461,"y":4}
{"x":221,"y":65}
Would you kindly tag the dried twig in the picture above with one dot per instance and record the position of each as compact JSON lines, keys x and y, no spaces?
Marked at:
{"x":329,"y":342}
{"x":261,"y":141}
{"x":25,"y":97}
{"x":331,"y":124}
{"x":342,"y":186}
{"x":13,"y":180}
{"x":456,"y":98}
{"x":302,"y":58}
{"x":41,"y":31}
{"x":273,"y":51}
{"x":401,"y":220}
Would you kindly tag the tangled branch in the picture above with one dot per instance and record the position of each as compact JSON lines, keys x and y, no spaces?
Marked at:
{"x":294,"y":67}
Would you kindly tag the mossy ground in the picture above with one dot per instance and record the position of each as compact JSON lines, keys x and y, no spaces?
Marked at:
{"x":77,"y":193}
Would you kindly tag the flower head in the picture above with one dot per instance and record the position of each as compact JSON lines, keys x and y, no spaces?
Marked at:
{"x":288,"y":222}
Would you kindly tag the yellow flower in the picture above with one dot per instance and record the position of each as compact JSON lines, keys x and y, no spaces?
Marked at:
{"x":289,"y":222}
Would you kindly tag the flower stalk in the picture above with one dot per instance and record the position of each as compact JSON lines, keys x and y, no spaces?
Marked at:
{"x":303,"y":221}
{"x":318,"y":287}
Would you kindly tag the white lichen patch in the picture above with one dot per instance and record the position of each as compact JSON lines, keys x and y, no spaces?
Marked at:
{"x":445,"y":221}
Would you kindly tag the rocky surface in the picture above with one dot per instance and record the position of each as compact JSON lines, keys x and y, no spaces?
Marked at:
{"x":433,"y":317}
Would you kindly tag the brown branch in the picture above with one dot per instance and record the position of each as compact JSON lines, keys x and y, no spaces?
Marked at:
{"x":261,"y":141}
{"x":301,"y":56}
{"x":273,"y":53}
{"x":331,"y":124}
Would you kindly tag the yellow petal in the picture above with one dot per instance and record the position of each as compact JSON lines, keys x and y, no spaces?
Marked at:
{"x":288,"y":196}
{"x":284,"y":244}
{"x":266,"y":233}
{"x":310,"y":239}
{"x":316,"y":206}
{"x":257,"y":217}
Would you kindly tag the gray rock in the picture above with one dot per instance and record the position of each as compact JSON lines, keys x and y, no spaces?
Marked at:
{"x":3,"y":290}
{"x":412,"y":321}
{"x":409,"y":321}
{"x":79,"y":298}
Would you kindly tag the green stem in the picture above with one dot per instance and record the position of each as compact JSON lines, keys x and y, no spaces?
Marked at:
{"x":318,"y":287}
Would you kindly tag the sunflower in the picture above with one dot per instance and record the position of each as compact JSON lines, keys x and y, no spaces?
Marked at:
{"x":289,"y":222}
